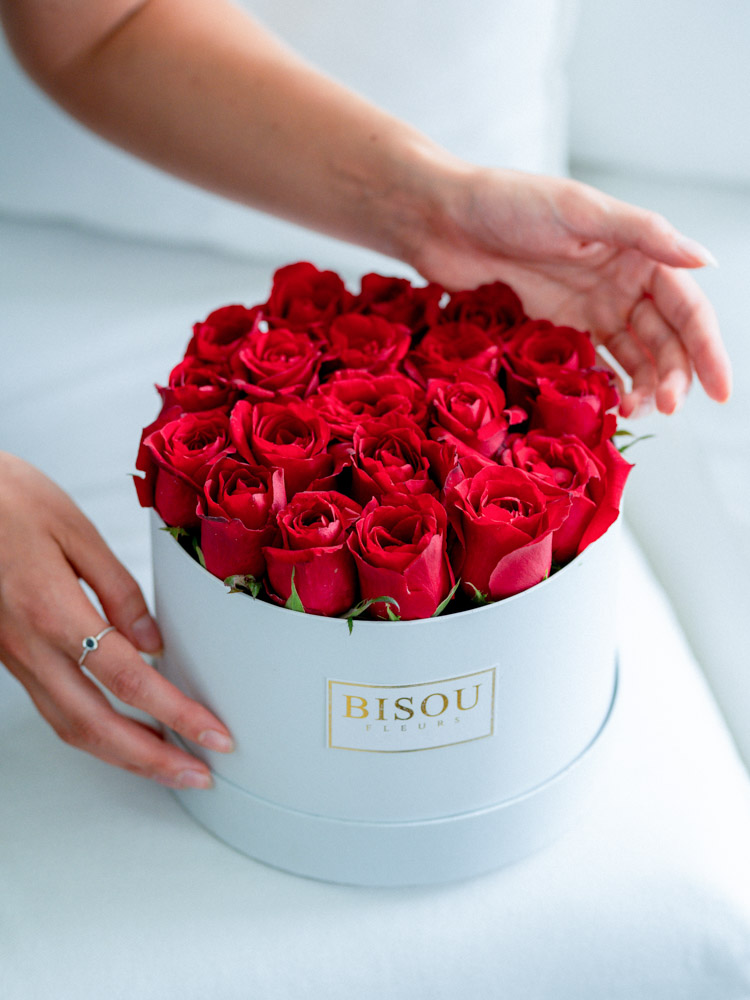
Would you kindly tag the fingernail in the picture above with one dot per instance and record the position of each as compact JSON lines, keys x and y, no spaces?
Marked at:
{"x":146,"y":634}
{"x":696,"y":250}
{"x":194,"y":779}
{"x":212,"y":739}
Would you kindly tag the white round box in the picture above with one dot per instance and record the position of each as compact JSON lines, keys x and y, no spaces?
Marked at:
{"x":405,"y":752}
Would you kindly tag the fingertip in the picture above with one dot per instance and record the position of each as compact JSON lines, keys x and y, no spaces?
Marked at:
{"x":213,"y":739}
{"x":697,"y":254}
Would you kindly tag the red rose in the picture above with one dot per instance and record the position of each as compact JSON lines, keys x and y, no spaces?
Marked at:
{"x":237,"y":516}
{"x":215,"y":337}
{"x":177,"y":458}
{"x":289,"y":436}
{"x":577,"y":403}
{"x":471,"y":413}
{"x":367,"y":342}
{"x":195,"y":384}
{"x":450,"y":347}
{"x":594,"y":480}
{"x":397,"y":300}
{"x":271,"y":361}
{"x":399,"y":545}
{"x":539,"y":349}
{"x":350,"y":398}
{"x":504,"y":522}
{"x":495,"y":308}
{"x":391,"y":455}
{"x":306,"y":297}
{"x":311,"y":543}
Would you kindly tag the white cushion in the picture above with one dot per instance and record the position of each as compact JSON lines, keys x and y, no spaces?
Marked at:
{"x":659,"y":86}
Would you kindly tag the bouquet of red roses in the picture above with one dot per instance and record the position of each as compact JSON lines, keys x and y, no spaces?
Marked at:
{"x":388,"y":452}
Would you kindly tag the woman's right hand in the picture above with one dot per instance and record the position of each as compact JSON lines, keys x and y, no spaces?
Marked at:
{"x":46,"y":545}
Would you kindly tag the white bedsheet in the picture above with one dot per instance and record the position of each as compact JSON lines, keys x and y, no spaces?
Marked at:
{"x":107,"y":889}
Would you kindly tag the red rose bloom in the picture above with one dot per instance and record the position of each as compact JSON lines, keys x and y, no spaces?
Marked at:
{"x":289,"y":436}
{"x":214,"y":339}
{"x":594,"y":480}
{"x":577,"y":403}
{"x":470,"y":413}
{"x":368,"y":342}
{"x":539,"y":349}
{"x":306,"y":297}
{"x":237,"y":516}
{"x":495,"y":308}
{"x":311,"y":543}
{"x":391,"y":455}
{"x":398,"y":301}
{"x":504,"y":522}
{"x":450,"y":347}
{"x":176,"y":459}
{"x":399,"y":545}
{"x":195,"y":384}
{"x":350,"y":398}
{"x":271,"y":361}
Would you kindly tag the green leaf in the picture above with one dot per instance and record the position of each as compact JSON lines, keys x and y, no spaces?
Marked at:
{"x":392,"y":616}
{"x":198,"y":553}
{"x":623,"y":433}
{"x":444,"y":604}
{"x":176,"y":531}
{"x":243,"y":585}
{"x":360,"y":609}
{"x":643,"y":437}
{"x":479,"y":597}
{"x":294,"y":603}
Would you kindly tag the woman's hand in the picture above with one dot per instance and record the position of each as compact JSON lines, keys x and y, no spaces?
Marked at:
{"x":46,"y":544}
{"x":583,"y":259}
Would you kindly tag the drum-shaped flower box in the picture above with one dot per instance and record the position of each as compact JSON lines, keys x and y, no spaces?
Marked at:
{"x":403,"y":752}
{"x":414,"y":493}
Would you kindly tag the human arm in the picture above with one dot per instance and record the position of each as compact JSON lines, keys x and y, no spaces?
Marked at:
{"x":204,"y":91}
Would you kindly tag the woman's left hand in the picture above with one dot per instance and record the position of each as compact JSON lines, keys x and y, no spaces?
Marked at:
{"x":581,"y":258}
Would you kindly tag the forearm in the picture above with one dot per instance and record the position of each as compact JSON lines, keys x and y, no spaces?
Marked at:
{"x":200,"y":89}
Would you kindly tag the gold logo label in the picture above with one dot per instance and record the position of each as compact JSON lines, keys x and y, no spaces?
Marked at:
{"x":399,"y":718}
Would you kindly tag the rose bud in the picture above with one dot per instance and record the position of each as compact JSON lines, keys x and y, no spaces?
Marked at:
{"x":389,"y":456}
{"x":577,"y":403}
{"x":399,"y":545}
{"x":290,"y":436}
{"x":471,"y":413}
{"x":177,"y":458}
{"x":504,"y":522}
{"x":306,"y":297}
{"x":451,"y":347}
{"x":494,"y":307}
{"x":267,"y":362}
{"x":398,"y":301}
{"x":539,"y":349}
{"x":311,"y":543}
{"x":370,"y":343}
{"x":237,"y":516}
{"x":594,"y":480}
{"x":195,"y":384}
{"x":352,"y":397}
{"x":214,"y":339}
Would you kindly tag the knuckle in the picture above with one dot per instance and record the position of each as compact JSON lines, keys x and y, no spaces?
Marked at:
{"x":83,"y":733}
{"x":126,"y":684}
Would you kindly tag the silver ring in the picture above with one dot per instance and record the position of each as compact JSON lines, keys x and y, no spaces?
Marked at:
{"x":91,"y":642}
